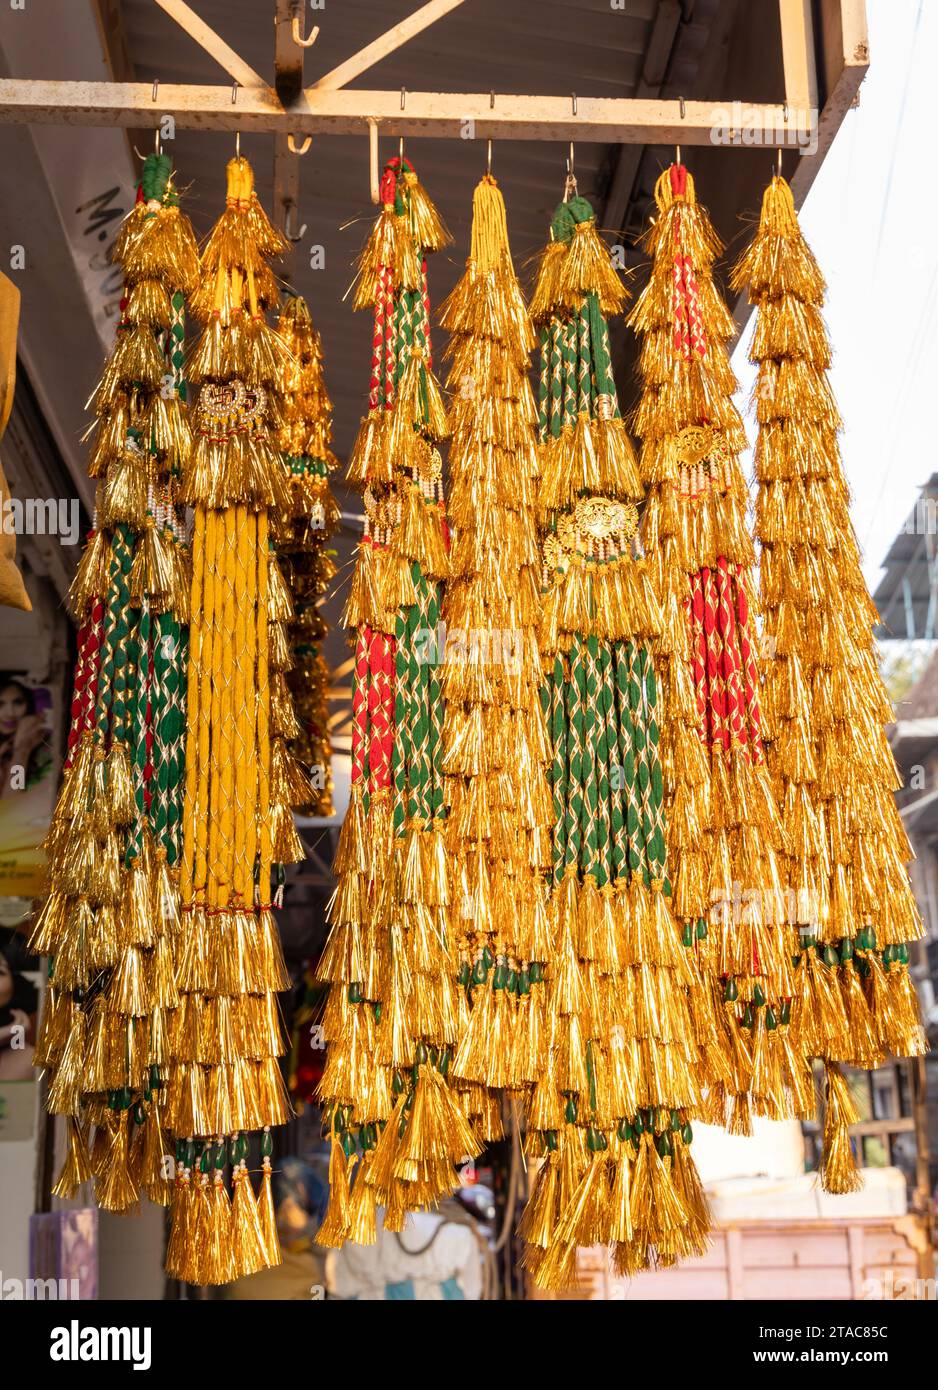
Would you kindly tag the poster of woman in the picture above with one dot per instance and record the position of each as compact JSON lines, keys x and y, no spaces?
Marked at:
{"x":27,"y":783}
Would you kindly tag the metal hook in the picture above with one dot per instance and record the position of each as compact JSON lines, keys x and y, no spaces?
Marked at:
{"x":492,"y":99}
{"x":488,"y":159}
{"x":234,"y":92}
{"x":573,"y":98}
{"x":297,"y":37}
{"x":681,"y":100}
{"x":779,"y":172}
{"x":156,"y":88}
{"x":569,"y":187}
{"x":400,"y":149}
{"x":157,"y":147}
{"x":677,"y":154}
{"x":292,"y":146}
{"x":785,"y":112}
{"x":289,"y":215}
{"x":403,"y":97}
{"x":237,"y":144}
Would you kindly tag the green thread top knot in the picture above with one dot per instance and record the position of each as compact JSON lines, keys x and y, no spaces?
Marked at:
{"x":567,"y":216}
{"x":155,"y":176}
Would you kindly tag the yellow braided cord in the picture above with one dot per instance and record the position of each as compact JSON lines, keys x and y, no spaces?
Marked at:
{"x":227,"y":749}
{"x":247,"y":716}
{"x":243,"y":867}
{"x":263,"y":709}
{"x":211,"y":695}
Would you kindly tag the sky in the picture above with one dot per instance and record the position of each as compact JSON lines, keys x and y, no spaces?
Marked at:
{"x":871,"y":218}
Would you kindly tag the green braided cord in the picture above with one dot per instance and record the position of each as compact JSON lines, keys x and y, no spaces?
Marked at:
{"x":164,"y":663}
{"x":618,"y":829}
{"x":575,"y":692}
{"x":175,"y":681}
{"x":630,"y":801}
{"x":604,"y":758}
{"x":435,"y":695}
{"x":590,"y":850}
{"x":569,"y":360}
{"x":558,"y":767}
{"x":543,"y":378}
{"x":640,"y":736}
{"x":418,"y":801}
{"x":176,"y":352}
{"x":400,"y":750}
{"x":114,"y":683}
{"x":556,"y":377}
{"x":584,"y":380}
{"x":105,"y":693}
{"x":422,"y":341}
{"x":125,"y":650}
{"x":405,"y":330}
{"x":603,"y":380}
{"x":657,"y":850}
{"x":138,"y":649}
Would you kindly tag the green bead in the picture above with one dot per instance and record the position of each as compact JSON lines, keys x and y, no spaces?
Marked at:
{"x":675,"y":1120}
{"x":550,"y":1139}
{"x":462,"y":978}
{"x":786,"y":1012}
{"x":687,"y":935}
{"x":536,"y":972}
{"x":500,"y":978}
{"x":771,"y":1022}
{"x":348,"y":1144}
{"x":479,"y":972}
{"x":267,"y":1144}
{"x":355,"y":993}
{"x":446,"y":1056}
{"x":701,"y":928}
{"x":638,"y":1124}
{"x":731,"y":991}
{"x":624,"y":1131}
{"x":524,"y":982}
{"x":664,"y":1146}
{"x":748,"y":1016}
{"x":140,"y":1114}
{"x":570,"y":1111}
{"x":687,"y":1134}
{"x":831,"y":957}
{"x":758,"y":997}
{"x":421,"y":1054}
{"x":488,"y":959}
{"x":397,"y":1083}
{"x":512,"y":985}
{"x":377,"y":1012}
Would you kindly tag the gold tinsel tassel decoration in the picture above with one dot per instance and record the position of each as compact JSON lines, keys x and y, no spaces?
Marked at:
{"x":225,"y":1080}
{"x":724,"y":825}
{"x":825,"y":702}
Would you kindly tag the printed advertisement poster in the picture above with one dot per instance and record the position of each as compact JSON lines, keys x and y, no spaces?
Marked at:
{"x":27,"y":784}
